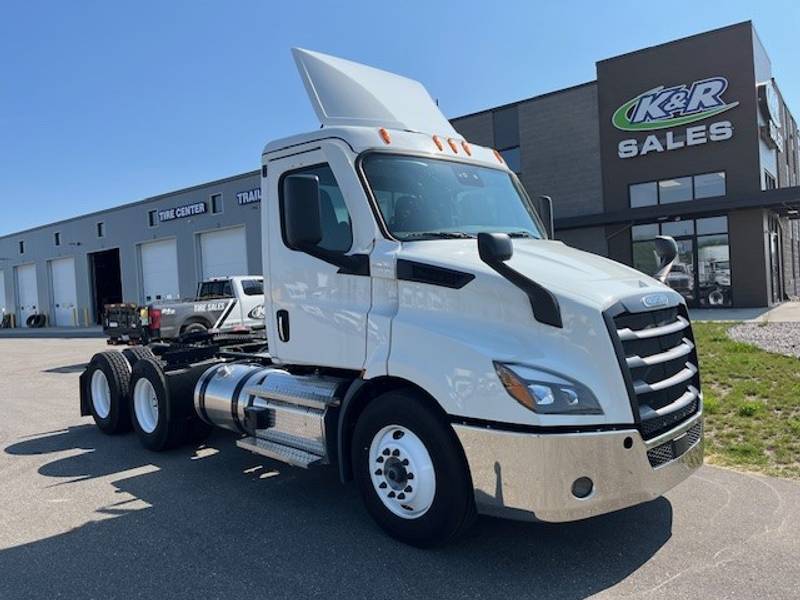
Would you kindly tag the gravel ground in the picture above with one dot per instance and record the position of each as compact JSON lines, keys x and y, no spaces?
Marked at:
{"x":781,"y":338}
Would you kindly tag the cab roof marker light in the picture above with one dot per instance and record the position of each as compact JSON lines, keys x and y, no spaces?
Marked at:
{"x":499,"y":157}
{"x":466,"y":146}
{"x":385,"y":135}
{"x":453,"y":146}
{"x":438,"y":142}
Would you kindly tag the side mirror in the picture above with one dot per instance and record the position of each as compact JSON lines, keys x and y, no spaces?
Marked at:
{"x":301,"y":212}
{"x":544,"y":206}
{"x":495,"y":247}
{"x":667,"y":252}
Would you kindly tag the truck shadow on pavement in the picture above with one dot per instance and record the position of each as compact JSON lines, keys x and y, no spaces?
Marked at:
{"x":216,"y":522}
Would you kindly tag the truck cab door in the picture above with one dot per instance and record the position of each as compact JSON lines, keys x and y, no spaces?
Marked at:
{"x":317,"y":310}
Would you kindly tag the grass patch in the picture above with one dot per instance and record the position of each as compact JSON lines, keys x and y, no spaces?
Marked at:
{"x":752,"y":403}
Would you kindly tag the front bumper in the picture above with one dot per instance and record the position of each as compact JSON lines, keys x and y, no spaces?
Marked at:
{"x":529,"y":476}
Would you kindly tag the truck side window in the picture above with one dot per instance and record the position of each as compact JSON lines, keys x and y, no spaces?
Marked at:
{"x":337,"y":231}
{"x":252,"y":287}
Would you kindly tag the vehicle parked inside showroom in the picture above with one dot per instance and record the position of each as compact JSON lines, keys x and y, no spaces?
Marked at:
{"x":426,"y":335}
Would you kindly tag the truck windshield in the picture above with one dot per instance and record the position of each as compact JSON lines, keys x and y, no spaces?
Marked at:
{"x":424,"y":198}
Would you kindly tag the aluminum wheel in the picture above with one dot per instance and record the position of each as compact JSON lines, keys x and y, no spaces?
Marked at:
{"x":101,"y":394}
{"x":145,"y":405}
{"x":402,"y":472}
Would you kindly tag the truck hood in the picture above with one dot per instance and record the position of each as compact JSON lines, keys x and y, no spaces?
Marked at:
{"x":563,"y":270}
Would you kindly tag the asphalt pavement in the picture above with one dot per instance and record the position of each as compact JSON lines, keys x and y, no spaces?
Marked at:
{"x":85,"y":515}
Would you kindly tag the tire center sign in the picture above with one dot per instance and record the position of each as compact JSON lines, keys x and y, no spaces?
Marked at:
{"x":679,"y":110}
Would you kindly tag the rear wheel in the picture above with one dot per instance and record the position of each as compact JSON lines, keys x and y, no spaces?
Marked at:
{"x":410,"y":471}
{"x":162,"y":406}
{"x":194,"y":328}
{"x":134,"y":354}
{"x":108,"y":381}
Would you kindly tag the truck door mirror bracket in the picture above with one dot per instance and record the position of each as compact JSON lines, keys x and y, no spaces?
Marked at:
{"x":495,"y":249}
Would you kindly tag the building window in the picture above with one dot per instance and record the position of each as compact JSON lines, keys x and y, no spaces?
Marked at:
{"x":57,"y":238}
{"x":101,"y":229}
{"x":677,"y":189}
{"x":512,"y":158}
{"x":702,"y":271}
{"x":216,"y":203}
{"x":152,"y":218}
{"x":21,"y":247}
{"x":643,"y":194}
{"x":769,"y":181}
{"x":709,"y":185}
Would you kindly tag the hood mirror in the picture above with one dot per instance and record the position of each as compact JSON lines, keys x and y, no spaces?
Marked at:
{"x":495,"y":247}
{"x":666,"y":252}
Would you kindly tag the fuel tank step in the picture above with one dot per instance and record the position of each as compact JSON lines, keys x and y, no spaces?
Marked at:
{"x":287,"y":454}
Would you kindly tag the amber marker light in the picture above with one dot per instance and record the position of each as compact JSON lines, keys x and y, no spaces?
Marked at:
{"x":498,"y":156}
{"x":385,"y":136}
{"x":453,"y":146}
{"x":438,"y":142}
{"x":467,"y":148}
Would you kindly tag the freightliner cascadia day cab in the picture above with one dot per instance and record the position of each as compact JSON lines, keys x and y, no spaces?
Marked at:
{"x":426,"y":337}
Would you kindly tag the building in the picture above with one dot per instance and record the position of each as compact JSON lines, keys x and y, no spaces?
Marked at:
{"x":156,"y":249}
{"x":690,"y":139}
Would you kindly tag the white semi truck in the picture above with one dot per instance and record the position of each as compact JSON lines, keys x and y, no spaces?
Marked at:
{"x":425,"y":334}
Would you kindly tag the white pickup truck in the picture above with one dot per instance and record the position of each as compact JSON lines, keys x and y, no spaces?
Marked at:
{"x":427,"y":336}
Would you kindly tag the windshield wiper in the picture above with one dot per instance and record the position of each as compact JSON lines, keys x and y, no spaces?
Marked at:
{"x":522,"y":234}
{"x":444,"y":235}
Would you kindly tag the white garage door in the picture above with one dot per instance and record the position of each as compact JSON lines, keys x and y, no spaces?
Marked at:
{"x":2,"y":294}
{"x":65,"y":297}
{"x":159,"y":271}
{"x":223,"y":253}
{"x":27,"y":292}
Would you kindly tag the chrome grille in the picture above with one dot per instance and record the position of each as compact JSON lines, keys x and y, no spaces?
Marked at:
{"x":658,"y":359}
{"x":664,"y":453}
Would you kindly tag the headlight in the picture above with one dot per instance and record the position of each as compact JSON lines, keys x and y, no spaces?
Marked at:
{"x":547,"y":393}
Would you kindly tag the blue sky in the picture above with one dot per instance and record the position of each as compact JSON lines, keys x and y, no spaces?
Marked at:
{"x":103,"y":103}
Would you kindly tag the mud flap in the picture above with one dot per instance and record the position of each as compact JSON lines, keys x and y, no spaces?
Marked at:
{"x":85,"y":402}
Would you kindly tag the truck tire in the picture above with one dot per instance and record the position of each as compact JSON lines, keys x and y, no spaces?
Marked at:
{"x":108,"y":377}
{"x":134,"y":354}
{"x":411,"y":472}
{"x":162,"y":406}
{"x":194,"y":327}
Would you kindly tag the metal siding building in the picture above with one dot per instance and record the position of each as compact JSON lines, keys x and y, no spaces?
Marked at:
{"x":739,"y":238}
{"x":137,"y":252}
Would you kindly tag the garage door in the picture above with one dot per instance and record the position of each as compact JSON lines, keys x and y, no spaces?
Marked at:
{"x":65,"y":298}
{"x":223,"y":253}
{"x":159,"y":271}
{"x":2,"y":294}
{"x":27,"y":292}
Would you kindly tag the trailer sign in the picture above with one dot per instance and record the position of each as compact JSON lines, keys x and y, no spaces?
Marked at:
{"x":249,"y":197}
{"x":661,"y":108}
{"x":181,"y":212}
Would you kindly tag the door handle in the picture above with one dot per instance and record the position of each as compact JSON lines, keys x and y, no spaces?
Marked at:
{"x":283,"y":325}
